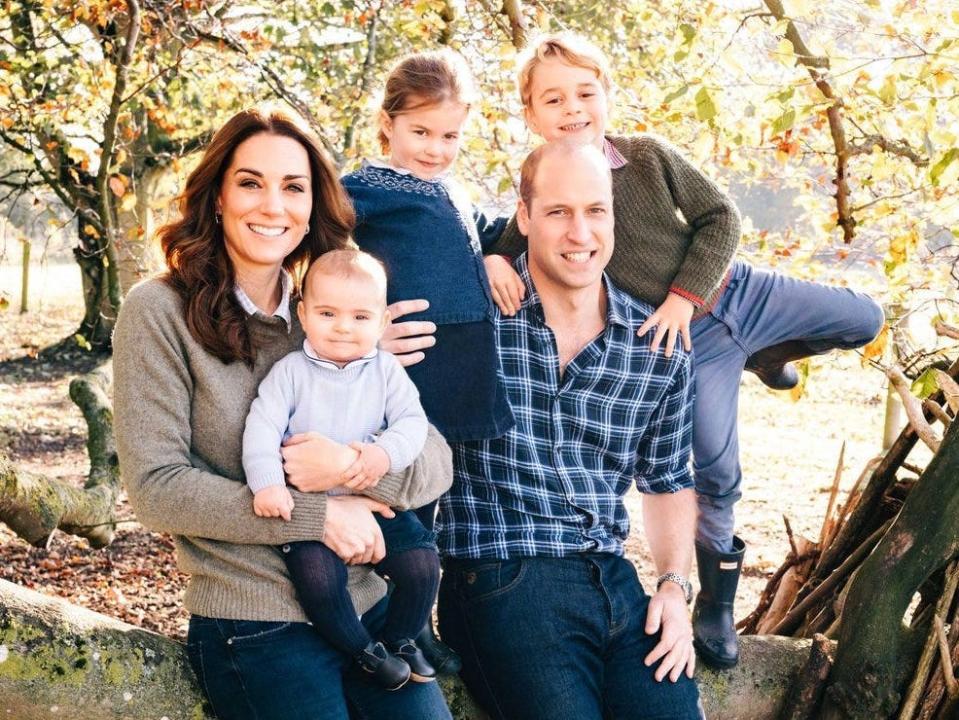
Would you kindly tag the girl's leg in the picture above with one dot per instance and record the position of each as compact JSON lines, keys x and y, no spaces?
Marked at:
{"x":319,"y":577}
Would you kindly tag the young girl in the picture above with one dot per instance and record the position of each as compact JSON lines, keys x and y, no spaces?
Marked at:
{"x":417,"y":220}
{"x":675,"y":236}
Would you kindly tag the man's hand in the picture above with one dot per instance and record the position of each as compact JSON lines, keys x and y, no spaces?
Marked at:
{"x":372,"y":464}
{"x":668,"y":612}
{"x":505,"y":283}
{"x":407,"y":340}
{"x":671,"y":318}
{"x":273,"y":501}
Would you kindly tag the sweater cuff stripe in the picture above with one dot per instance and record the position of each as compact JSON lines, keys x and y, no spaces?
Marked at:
{"x":692,"y":297}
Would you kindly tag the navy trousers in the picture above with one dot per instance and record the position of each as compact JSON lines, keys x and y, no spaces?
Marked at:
{"x":758,"y":309}
{"x":557,"y":639}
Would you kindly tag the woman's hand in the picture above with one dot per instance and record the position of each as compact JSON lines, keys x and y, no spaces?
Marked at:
{"x":505,"y":283}
{"x":407,"y":340}
{"x":314,"y":463}
{"x":351,"y":531}
{"x":671,"y":318}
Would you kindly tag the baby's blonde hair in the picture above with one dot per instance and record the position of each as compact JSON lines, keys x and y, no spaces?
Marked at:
{"x":572,"y":49}
{"x":348,"y":263}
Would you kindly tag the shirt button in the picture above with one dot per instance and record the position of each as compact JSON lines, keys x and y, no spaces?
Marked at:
{"x":470,"y":578}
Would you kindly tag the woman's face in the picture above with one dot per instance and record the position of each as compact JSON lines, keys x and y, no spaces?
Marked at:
{"x":265,"y":202}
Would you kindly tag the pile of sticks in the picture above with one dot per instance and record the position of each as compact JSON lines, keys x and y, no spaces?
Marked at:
{"x":805,"y":596}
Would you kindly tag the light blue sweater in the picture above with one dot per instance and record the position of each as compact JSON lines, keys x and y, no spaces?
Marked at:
{"x":303,"y":393}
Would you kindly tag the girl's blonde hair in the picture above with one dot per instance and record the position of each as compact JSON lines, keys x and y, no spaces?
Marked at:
{"x":423,"y":80}
{"x":572,"y":49}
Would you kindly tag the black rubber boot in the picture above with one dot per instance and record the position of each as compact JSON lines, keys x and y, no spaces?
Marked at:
{"x":714,"y":630}
{"x":385,"y":669}
{"x":773,"y":364}
{"x":420,"y":668}
{"x":441,"y":656}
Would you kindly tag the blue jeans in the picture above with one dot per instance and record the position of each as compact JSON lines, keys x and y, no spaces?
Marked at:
{"x":252,"y":670}
{"x":758,"y":309}
{"x":557,"y":638}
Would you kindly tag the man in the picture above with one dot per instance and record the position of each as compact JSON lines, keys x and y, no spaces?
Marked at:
{"x":549,"y":617}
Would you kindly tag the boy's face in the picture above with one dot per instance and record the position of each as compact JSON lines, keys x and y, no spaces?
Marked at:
{"x":566,"y":101}
{"x":343,"y":317}
{"x":425,"y":141}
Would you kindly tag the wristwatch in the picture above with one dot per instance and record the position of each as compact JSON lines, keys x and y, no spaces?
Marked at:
{"x":679,"y":580}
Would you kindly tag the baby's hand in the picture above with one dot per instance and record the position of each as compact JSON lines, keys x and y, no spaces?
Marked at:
{"x":372,"y":464}
{"x":273,"y":501}
{"x":506,"y":285}
{"x":672,"y":317}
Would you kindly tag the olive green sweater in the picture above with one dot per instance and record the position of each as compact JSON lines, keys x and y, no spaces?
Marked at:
{"x":657,"y":250}
{"x":179,"y":417}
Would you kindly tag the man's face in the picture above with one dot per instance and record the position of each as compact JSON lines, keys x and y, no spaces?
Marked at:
{"x":569,"y":222}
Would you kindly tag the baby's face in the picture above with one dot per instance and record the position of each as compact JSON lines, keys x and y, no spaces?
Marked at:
{"x":343,"y":317}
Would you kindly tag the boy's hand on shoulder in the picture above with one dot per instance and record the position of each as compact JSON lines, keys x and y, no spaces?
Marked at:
{"x":273,"y":501}
{"x":505,"y":283}
{"x":371,"y":465}
{"x":672,"y":318}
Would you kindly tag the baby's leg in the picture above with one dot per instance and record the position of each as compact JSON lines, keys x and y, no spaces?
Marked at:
{"x":319,"y":577}
{"x":413,"y":566}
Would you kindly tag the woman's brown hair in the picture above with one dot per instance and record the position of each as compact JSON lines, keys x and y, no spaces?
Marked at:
{"x":425,"y":79}
{"x":199,"y":268}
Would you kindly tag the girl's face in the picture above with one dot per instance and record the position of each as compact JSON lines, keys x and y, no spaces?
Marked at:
{"x":425,"y":141}
{"x":265,"y":201}
{"x":566,"y":101}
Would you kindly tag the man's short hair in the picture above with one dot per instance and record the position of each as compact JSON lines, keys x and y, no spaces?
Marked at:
{"x":564,"y":148}
{"x":572,"y":49}
{"x":348,"y":263}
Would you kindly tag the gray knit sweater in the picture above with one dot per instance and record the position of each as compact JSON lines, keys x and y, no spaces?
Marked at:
{"x":179,"y":416}
{"x":656,"y":250}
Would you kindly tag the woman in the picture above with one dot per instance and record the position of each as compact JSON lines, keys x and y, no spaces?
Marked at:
{"x":190,"y":349}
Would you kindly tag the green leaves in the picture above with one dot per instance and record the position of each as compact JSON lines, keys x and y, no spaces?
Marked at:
{"x":705,"y":107}
{"x":937,"y":170}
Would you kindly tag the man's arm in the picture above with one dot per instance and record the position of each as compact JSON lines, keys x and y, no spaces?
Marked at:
{"x":670,"y":522}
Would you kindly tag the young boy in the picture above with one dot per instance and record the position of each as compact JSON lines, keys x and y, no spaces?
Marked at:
{"x":675,"y":236}
{"x":341,"y":386}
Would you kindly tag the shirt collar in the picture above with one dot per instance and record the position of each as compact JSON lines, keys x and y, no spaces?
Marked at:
{"x":616,"y":302}
{"x":614,"y":157}
{"x":312,"y":355}
{"x":373,"y":162}
{"x":282,"y":310}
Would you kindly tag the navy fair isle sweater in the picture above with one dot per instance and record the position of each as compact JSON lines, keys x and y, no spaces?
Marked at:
{"x":429,"y":237}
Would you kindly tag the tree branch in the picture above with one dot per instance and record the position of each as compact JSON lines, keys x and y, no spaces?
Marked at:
{"x":913,"y":409}
{"x":893,"y":147}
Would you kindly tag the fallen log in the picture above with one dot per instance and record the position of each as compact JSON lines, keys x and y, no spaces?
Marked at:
{"x":60,"y":660}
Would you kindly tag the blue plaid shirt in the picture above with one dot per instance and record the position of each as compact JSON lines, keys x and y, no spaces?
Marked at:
{"x":553,"y":485}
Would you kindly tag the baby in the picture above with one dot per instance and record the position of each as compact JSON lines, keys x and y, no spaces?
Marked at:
{"x":341,"y":386}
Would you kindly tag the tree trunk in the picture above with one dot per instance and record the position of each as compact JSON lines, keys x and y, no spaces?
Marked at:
{"x":876,"y":651}
{"x":138,"y":253}
{"x":92,"y":667}
{"x":34,"y":506}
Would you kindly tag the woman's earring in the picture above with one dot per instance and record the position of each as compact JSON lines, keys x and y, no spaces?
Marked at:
{"x":307,"y":231}
{"x":217,"y":217}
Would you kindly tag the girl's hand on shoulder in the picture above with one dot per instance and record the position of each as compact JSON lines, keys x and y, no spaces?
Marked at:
{"x":505,"y":283}
{"x":407,"y":340}
{"x":314,"y":463}
{"x":672,"y":318}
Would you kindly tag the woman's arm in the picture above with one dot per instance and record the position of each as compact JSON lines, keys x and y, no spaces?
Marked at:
{"x":171,"y":490}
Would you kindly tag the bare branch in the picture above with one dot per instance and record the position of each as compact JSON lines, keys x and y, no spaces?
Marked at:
{"x":944,"y":330}
{"x":893,"y":147}
{"x":913,"y":409}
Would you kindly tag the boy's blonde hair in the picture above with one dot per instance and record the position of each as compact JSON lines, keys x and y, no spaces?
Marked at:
{"x":425,"y":79}
{"x":572,"y":49}
{"x":348,"y":263}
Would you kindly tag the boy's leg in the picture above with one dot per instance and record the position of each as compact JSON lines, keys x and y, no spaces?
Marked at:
{"x":412,"y":563}
{"x":319,"y":577}
{"x":785,"y":318}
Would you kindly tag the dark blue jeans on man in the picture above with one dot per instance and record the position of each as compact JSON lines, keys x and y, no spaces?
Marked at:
{"x":557,"y":638}
{"x":286,"y":671}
